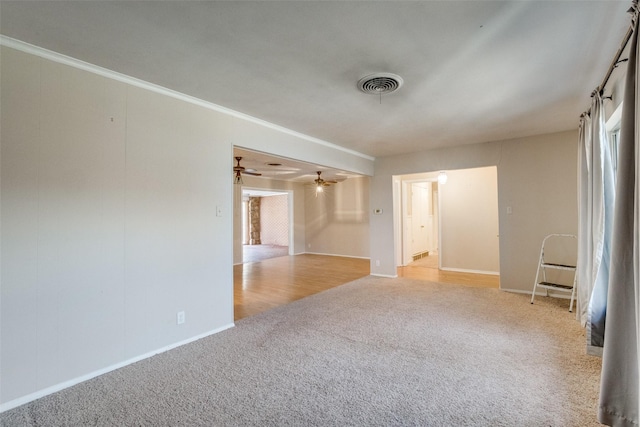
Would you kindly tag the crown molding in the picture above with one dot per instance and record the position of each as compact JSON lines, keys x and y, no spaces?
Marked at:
{"x":104,"y":72}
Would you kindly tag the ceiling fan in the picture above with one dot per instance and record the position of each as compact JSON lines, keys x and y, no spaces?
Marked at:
{"x":240,"y":170}
{"x":321,"y":183}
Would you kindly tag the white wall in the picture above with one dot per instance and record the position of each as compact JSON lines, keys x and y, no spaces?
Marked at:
{"x":334,"y":223}
{"x":109,"y":196}
{"x":110,"y":189}
{"x":469,"y":221}
{"x":337,"y":220}
{"x":274,"y":220}
{"x":536,"y":178}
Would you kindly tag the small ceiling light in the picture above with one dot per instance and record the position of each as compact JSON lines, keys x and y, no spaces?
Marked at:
{"x":238,"y":178}
{"x":319,"y":183}
{"x":442,"y":178}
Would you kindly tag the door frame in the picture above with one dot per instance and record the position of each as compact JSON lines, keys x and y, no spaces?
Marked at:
{"x":273,"y":192}
{"x":400,"y":198}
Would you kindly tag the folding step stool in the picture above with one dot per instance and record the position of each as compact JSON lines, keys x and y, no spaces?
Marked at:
{"x":546,"y":264}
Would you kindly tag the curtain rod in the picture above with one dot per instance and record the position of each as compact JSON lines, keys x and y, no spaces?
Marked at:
{"x":616,"y":58}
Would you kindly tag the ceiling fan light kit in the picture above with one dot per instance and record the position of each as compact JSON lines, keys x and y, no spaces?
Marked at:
{"x":275,"y":169}
{"x":320,"y":183}
{"x":240,"y":170}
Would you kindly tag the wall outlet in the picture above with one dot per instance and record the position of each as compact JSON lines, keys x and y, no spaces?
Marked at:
{"x":509,"y":210}
{"x":309,"y":245}
{"x":180,"y":318}
{"x":218,"y":210}
{"x":377,"y":263}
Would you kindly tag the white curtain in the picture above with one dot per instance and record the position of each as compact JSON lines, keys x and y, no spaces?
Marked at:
{"x":619,"y":398}
{"x":596,"y":194}
{"x":585,"y":284}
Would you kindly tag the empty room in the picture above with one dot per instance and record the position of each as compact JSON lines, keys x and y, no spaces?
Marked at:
{"x":266,"y":213}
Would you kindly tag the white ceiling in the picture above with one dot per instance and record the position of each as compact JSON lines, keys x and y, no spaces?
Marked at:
{"x":473,"y":71}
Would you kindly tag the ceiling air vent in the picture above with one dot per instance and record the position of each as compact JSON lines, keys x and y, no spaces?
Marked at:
{"x":380,"y":83}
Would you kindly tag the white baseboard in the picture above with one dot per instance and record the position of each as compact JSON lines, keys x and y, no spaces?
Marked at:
{"x":464,"y":270}
{"x":594,"y":351}
{"x":66,"y":384}
{"x":343,"y":256}
{"x":388,"y":276}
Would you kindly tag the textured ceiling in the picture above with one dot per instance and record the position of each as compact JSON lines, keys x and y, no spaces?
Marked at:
{"x":473,"y":71}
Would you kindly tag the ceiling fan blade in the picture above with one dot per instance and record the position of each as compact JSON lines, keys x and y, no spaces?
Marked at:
{"x":246,"y":172}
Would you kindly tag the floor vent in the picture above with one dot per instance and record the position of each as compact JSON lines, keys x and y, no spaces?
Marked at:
{"x":420,"y":255}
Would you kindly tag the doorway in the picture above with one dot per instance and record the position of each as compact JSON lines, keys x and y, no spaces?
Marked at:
{"x":266,"y":224}
{"x":456,"y":220}
{"x":420,"y":219}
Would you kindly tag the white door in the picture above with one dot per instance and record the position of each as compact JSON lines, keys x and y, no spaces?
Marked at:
{"x":421,"y":225}
{"x":407,"y":224}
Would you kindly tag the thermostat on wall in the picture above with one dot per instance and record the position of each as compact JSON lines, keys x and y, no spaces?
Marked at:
{"x":377,"y":211}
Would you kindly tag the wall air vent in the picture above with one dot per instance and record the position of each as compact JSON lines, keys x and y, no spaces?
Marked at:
{"x":380,"y":83}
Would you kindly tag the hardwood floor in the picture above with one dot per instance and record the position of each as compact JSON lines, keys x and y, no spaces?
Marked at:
{"x":260,"y":286}
{"x":435,"y":275}
{"x":427,"y":269}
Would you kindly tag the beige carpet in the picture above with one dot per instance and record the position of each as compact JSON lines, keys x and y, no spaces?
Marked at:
{"x":375,"y":352}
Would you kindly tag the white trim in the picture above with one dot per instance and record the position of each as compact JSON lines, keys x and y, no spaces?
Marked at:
{"x":76,"y":63}
{"x":344,"y":256}
{"x":66,"y":384}
{"x":614,"y":120}
{"x":388,"y":276}
{"x":464,"y":270}
{"x":592,"y":350}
